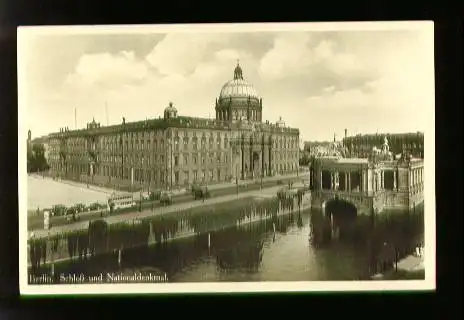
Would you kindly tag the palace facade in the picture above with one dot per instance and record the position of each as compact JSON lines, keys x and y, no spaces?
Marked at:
{"x":175,"y":150}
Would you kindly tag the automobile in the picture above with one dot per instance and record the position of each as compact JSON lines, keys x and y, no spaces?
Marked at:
{"x":58,"y":210}
{"x":72,"y":215}
{"x":95,"y":206}
{"x":201,"y":193}
{"x":80,"y":207}
{"x":145,"y":195}
{"x":155,"y":195}
{"x":166,"y":198}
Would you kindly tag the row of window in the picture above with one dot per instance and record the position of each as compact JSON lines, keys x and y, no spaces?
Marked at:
{"x":153,"y":159}
{"x":141,"y":145}
{"x":141,"y":175}
{"x":150,"y":174}
{"x":140,"y":141}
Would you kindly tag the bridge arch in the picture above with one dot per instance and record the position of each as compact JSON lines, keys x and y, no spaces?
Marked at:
{"x":341,"y":213}
{"x":335,"y":206}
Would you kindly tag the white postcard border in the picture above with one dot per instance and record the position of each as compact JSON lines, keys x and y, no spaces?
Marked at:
{"x":229,"y":287}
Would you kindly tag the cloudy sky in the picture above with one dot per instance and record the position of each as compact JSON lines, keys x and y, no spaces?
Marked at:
{"x":320,"y":82}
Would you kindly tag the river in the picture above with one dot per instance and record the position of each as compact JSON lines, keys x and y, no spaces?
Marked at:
{"x":252,"y":252}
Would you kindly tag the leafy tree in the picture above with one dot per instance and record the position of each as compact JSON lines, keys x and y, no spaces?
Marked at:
{"x":36,"y":161}
{"x":304,"y":159}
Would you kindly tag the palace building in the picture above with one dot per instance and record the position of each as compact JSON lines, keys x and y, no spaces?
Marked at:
{"x":176,"y":150}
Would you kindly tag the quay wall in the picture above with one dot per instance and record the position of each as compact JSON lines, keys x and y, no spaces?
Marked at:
{"x":101,"y":238}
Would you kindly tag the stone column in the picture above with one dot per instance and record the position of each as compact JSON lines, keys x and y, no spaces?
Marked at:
{"x":349,"y":181}
{"x":320,"y":179}
{"x":383,"y":179}
{"x":346,"y":181}
{"x":364,"y":180}
{"x":332,"y":180}
{"x":395,"y":184}
{"x":361,"y":180}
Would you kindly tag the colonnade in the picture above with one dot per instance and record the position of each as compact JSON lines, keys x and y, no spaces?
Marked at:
{"x":379,"y":180}
{"x":226,"y":115}
{"x":347,"y":183}
{"x":416,"y":176}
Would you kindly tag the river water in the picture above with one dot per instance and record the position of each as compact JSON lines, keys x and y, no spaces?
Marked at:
{"x":252,"y":252}
{"x":259,"y":251}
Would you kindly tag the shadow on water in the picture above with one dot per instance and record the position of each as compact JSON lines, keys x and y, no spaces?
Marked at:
{"x":384,"y":238}
{"x":219,"y":247}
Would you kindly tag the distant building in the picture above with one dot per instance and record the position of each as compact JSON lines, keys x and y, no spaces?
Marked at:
{"x":324,"y":148}
{"x":179,"y":150}
{"x":405,"y":143}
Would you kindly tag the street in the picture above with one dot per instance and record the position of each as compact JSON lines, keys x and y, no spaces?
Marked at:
{"x":36,"y":222}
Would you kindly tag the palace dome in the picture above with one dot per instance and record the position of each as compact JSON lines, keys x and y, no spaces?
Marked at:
{"x":238,"y":87}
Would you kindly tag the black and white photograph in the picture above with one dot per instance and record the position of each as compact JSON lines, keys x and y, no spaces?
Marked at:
{"x":266,"y":157}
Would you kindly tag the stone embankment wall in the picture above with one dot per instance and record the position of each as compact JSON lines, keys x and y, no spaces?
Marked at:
{"x":102,"y":238}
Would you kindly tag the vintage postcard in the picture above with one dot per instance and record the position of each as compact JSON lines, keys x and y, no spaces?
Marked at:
{"x":226,"y":158}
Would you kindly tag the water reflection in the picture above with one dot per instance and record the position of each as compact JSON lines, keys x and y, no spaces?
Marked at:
{"x":292,"y":247}
{"x":278,"y":249}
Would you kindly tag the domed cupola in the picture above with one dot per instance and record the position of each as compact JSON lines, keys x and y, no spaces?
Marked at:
{"x":170,"y":112}
{"x":238,"y":100}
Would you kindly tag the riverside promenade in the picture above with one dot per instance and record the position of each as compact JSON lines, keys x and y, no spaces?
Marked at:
{"x":175,"y":191}
{"x":267,"y":192}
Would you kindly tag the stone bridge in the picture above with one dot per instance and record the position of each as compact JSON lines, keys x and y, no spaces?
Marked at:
{"x":361,"y":201}
{"x":370,"y":186}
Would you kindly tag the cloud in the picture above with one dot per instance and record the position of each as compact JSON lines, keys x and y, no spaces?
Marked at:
{"x":317,"y":61}
{"x":287,"y":56}
{"x":180,"y":53}
{"x":316,"y":82}
{"x":107,"y":69}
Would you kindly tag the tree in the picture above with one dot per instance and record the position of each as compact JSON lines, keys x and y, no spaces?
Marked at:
{"x":304,"y":159}
{"x":36,"y":161}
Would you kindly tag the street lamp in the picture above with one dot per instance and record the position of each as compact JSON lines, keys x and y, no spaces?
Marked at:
{"x":170,"y":163}
{"x":262,"y":160}
{"x":122,"y":146}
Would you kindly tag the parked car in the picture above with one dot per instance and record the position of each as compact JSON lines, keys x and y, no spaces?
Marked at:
{"x":201,"y":193}
{"x":145,"y":196}
{"x":166,"y":198}
{"x":80,"y":207}
{"x":72,"y":215}
{"x":58,"y":210}
{"x":96,"y":206}
{"x":155,"y":195}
